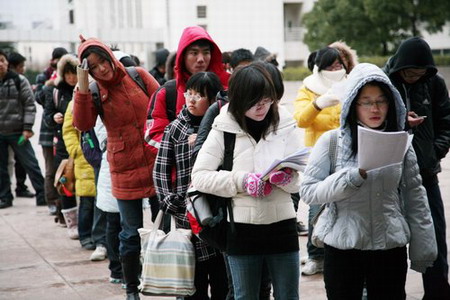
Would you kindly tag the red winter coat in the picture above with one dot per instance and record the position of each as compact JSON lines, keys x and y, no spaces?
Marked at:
{"x":124,"y":114}
{"x":159,"y":115}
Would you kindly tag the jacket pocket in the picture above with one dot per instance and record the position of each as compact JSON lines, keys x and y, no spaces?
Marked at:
{"x":118,"y":158}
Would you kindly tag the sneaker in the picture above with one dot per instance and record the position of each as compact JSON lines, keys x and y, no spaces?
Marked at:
{"x":312,"y":266}
{"x":302,"y":229}
{"x":115,"y":280}
{"x":52,"y":210}
{"x":99,"y":253}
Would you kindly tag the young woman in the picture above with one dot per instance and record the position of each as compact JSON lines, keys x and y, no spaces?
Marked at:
{"x":317,"y":110}
{"x":264,"y":214}
{"x":368,"y":223}
{"x":124,"y":106}
{"x":56,"y":102}
{"x":175,"y":153}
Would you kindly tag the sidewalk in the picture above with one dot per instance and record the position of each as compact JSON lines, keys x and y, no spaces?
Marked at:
{"x":38,"y":261}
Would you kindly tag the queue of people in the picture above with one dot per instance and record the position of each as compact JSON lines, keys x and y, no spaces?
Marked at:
{"x":159,"y":135}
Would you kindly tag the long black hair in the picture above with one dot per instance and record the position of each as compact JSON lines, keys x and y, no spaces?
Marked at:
{"x":247,"y":86}
{"x":391,"y":117}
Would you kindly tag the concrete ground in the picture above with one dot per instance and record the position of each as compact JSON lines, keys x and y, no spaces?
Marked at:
{"x":38,"y":261}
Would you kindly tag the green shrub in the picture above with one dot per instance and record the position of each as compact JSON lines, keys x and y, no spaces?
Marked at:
{"x":31,"y":75}
{"x":379,"y":61}
{"x":296,"y":74}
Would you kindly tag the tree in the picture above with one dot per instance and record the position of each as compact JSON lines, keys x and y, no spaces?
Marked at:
{"x":372,"y":27}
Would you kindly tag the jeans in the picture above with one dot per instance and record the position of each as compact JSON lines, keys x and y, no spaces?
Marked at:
{"x":131,"y":219}
{"x":27,"y":158}
{"x":384,"y":272}
{"x":435,"y":279}
{"x":86,"y":218}
{"x":246,"y":272}
{"x":21,"y":176}
{"x":113,"y":229}
{"x":313,"y":251}
{"x":51,"y":195}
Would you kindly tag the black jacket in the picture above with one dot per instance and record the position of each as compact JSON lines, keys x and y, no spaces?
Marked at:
{"x":426,"y":97}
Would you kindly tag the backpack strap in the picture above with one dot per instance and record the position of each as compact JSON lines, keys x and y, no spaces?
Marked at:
{"x":56,"y":97}
{"x":332,"y":153}
{"x":95,"y":92}
{"x":229,"y":140}
{"x":171,"y":100}
{"x":17,"y":82}
{"x":134,"y":74}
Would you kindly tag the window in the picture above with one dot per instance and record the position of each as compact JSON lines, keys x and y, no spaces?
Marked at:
{"x":201,"y":11}
{"x":71,"y":17}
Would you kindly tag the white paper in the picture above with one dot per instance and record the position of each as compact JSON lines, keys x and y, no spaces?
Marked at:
{"x":377,"y":149}
{"x":296,"y":161}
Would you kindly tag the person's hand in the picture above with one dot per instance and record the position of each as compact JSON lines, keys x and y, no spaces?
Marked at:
{"x":255,"y":187}
{"x":58,"y":118}
{"x":414,"y":120}
{"x":191,"y":139}
{"x":327,"y":100}
{"x":281,"y":177}
{"x":27,"y":134}
{"x":83,"y":77}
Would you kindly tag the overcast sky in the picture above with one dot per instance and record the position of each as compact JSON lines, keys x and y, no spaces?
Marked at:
{"x":23,"y":13}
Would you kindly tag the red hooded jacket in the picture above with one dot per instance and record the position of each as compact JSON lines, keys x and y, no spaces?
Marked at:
{"x":124,"y":114}
{"x":159,"y":116}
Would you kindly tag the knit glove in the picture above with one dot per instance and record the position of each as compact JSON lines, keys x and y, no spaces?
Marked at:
{"x":282,"y":177}
{"x":255,"y":187}
{"x":327,"y":100}
{"x":83,"y":77}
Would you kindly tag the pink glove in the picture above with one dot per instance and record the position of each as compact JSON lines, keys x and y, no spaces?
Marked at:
{"x":255,"y":187}
{"x":282,"y":177}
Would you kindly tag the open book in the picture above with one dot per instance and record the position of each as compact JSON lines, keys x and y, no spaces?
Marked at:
{"x":377,"y":149}
{"x":296,"y":161}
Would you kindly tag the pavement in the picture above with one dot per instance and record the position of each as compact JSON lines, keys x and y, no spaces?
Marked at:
{"x":38,"y":260}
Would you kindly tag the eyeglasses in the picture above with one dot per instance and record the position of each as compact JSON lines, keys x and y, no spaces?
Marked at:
{"x":378,"y":104}
{"x":189,"y":96}
{"x":262,"y":103}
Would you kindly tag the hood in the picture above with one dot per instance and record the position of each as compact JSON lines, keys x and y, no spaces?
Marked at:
{"x":412,"y":53}
{"x":358,"y":77}
{"x":119,"y":69}
{"x":65,"y":59}
{"x":161,"y":56}
{"x":190,"y":35}
{"x":348,"y":55}
{"x":226,"y":122}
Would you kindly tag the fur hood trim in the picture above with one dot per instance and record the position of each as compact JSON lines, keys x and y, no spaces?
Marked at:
{"x":65,"y":59}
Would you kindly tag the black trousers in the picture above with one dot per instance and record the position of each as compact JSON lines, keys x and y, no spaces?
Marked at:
{"x":435,"y":279}
{"x":384,"y":272}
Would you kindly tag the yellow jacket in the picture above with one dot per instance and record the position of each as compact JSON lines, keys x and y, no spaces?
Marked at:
{"x":84,"y":173}
{"x":315,"y":122}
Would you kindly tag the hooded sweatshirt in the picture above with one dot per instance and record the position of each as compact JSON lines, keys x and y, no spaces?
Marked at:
{"x":124,"y":104}
{"x":159,"y":115}
{"x":428,"y":96}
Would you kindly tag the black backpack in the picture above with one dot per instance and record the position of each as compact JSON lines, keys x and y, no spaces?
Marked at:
{"x":215,"y":232}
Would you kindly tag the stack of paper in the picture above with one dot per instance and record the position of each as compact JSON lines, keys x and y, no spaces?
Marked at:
{"x":377,"y":149}
{"x":296,"y":161}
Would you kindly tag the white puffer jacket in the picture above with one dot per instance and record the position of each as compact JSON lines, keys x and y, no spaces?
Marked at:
{"x":249,"y":157}
{"x":370,"y":214}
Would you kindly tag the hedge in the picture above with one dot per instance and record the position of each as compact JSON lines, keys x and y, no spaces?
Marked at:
{"x":299,"y":73}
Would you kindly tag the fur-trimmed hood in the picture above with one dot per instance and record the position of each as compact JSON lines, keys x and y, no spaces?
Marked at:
{"x":65,"y":59}
{"x":348,"y":55}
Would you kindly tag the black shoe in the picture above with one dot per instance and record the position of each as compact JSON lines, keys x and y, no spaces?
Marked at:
{"x":5,"y":203}
{"x":133,"y":296}
{"x":25,"y":194}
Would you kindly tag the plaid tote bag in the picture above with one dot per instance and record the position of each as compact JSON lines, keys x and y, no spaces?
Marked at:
{"x":169,"y":261}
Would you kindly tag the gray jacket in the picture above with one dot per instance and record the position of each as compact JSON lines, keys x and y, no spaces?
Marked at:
{"x":17,"y":108}
{"x":370,"y":214}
